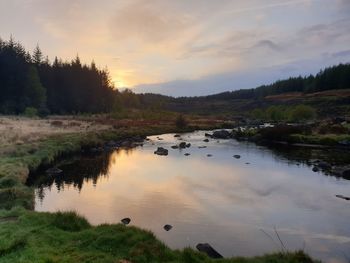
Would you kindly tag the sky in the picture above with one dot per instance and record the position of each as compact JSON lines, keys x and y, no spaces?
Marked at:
{"x":186,"y":47}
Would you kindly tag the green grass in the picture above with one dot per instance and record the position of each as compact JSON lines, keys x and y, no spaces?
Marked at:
{"x":28,"y":236}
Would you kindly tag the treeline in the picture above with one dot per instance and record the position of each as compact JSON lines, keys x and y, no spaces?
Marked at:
{"x":336,"y":77}
{"x":29,"y":82}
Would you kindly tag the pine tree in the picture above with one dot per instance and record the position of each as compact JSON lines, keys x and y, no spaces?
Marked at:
{"x":35,"y":93}
{"x":37,"y":56}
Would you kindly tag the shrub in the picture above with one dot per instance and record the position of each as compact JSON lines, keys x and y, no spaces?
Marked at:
{"x":258,"y":114}
{"x":302,"y":113}
{"x":276,"y":113}
{"x":181,"y":122}
{"x":30,"y":112}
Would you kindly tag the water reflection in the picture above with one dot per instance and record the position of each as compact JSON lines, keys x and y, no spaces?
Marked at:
{"x":221,"y":200}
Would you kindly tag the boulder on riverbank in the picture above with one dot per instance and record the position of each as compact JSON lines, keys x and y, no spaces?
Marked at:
{"x":222,"y":134}
{"x":161,"y":151}
{"x":209,"y":250}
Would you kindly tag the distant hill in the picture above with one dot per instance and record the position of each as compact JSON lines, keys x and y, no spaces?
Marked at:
{"x":328,"y":92}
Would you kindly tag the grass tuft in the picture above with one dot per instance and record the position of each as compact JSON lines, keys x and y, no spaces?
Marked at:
{"x":69,"y":221}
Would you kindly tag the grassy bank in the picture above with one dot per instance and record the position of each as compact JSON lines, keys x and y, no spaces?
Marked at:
{"x":28,"y":236}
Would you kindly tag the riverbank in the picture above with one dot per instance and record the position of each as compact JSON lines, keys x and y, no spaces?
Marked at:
{"x":49,"y":139}
{"x":29,"y":236}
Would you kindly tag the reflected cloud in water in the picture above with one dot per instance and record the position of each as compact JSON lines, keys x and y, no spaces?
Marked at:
{"x":220,"y":200}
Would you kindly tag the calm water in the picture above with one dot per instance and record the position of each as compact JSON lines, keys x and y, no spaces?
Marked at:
{"x":220,"y":200}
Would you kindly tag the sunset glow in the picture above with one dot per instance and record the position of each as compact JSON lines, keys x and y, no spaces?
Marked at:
{"x":238,"y":44}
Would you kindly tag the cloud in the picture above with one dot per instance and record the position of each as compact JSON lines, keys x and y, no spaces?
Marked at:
{"x":141,"y":21}
{"x":341,"y":54}
{"x":268,"y":44}
{"x":166,"y":41}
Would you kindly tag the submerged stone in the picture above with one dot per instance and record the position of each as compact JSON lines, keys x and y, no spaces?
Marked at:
{"x":237,"y":156}
{"x":126,"y":221}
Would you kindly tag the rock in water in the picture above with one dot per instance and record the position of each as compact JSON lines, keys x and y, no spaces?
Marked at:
{"x":223,"y":134}
{"x":346,"y":174}
{"x":206,"y":140}
{"x":209,"y":155}
{"x":177,"y":135}
{"x":209,"y":250}
{"x":53,"y":171}
{"x":202,"y":147}
{"x":187,"y":154}
{"x":188,"y":145}
{"x":182,"y":145}
{"x":126,"y":221}
{"x":324,"y":165}
{"x":315,"y":169}
{"x":237,"y":156}
{"x":175,"y":147}
{"x":161,"y":151}
{"x":167,"y":227}
{"x":343,"y":197}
